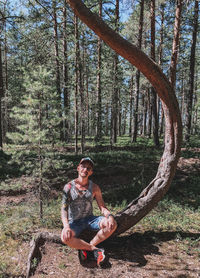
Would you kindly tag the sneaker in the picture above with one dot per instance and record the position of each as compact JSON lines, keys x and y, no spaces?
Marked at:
{"x":83,"y":255}
{"x":99,"y":255}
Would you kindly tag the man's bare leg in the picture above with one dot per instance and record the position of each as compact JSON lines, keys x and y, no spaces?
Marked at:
{"x":78,"y":243}
{"x":103,"y":234}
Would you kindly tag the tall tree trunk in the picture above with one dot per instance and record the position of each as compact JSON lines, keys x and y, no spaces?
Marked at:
{"x":119,"y":119}
{"x":195,"y":116}
{"x":181,"y":94}
{"x":4,"y":112}
{"x":175,"y":45}
{"x":76,"y":84}
{"x":1,"y":96}
{"x":57,"y":66}
{"x":87,"y":102}
{"x":81,"y":88}
{"x":131,"y":106}
{"x":107,"y":119}
{"x":40,"y":159}
{"x":144,"y":118}
{"x":191,"y":75}
{"x":66,"y":95}
{"x":160,"y":56}
{"x":154,"y":95}
{"x":1,"y":128}
{"x":114,"y":116}
{"x":124,"y":119}
{"x":137,"y":83}
{"x":154,"y":192}
{"x":149,"y":108}
{"x":99,"y":62}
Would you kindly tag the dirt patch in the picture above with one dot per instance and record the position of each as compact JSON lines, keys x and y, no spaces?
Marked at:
{"x":130,"y":255}
{"x":189,"y":164}
{"x":14,"y":200}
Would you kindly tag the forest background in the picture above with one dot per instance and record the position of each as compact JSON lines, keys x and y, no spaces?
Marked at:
{"x":65,"y":94}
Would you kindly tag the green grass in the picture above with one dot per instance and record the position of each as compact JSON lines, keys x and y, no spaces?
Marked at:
{"x":172,"y":216}
{"x":186,"y":192}
{"x":194,"y":142}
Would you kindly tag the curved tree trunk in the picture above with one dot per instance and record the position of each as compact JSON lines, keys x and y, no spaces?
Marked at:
{"x":153,"y":193}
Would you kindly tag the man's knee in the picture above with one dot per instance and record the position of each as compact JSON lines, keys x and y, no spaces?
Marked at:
{"x":114,"y":226}
{"x":106,"y":225}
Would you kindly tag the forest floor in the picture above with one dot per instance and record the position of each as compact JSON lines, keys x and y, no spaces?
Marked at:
{"x":143,"y":251}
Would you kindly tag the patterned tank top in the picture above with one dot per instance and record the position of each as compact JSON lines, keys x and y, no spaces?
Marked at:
{"x":79,"y":202}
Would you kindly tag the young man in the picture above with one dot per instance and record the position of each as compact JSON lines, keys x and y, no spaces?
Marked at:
{"x":77,"y":214}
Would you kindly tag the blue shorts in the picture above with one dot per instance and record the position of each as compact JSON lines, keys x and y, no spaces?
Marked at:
{"x":91,"y":223}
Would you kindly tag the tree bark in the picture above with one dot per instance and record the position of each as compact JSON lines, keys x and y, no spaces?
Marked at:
{"x":160,"y":56}
{"x":124,"y":119}
{"x":137,"y":83}
{"x":154,"y":95}
{"x":175,"y":45}
{"x":114,"y":116}
{"x":40,"y":195}
{"x":87,"y":102}
{"x":57,"y":66}
{"x":191,"y":75}
{"x":153,"y":193}
{"x":81,"y":90}
{"x":66,"y":96}
{"x":1,"y":96}
{"x":149,"y":108}
{"x":131,"y":106}
{"x":99,"y":105}
{"x":119,"y":118}
{"x":76,"y":84}
{"x":144,"y":118}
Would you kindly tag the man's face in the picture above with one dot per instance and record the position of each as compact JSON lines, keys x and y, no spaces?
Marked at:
{"x":85,"y":169}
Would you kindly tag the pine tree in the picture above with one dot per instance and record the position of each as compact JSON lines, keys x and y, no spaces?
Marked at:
{"x":37,"y":125}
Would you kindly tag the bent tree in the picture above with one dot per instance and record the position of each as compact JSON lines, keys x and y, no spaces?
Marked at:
{"x":153,"y":192}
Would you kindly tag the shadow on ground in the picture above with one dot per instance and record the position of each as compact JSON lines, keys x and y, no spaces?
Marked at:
{"x":134,"y":247}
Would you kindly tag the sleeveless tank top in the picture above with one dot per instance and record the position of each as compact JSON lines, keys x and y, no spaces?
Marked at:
{"x":80,"y":202}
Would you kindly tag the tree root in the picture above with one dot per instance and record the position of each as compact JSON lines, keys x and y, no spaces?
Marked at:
{"x":35,"y":253}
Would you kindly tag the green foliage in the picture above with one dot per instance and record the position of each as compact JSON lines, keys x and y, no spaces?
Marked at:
{"x":188,"y":190}
{"x":3,"y":267}
{"x":36,"y":120}
{"x":170,"y":215}
{"x":37,"y":116}
{"x":194,"y":143}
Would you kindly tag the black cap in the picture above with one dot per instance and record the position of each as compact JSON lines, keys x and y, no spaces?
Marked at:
{"x":88,"y":159}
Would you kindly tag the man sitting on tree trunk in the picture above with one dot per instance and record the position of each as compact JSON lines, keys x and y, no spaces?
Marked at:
{"x":77,"y":214}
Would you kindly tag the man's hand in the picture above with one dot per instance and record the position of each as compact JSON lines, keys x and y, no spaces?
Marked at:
{"x":67,"y":233}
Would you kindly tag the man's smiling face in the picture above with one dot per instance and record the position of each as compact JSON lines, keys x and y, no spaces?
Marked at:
{"x":85,"y":169}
